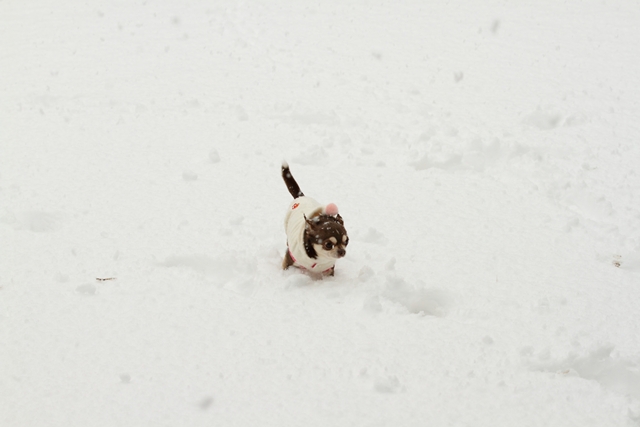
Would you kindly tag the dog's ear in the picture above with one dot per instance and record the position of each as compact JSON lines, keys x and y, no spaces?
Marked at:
{"x":339,"y":219}
{"x":310,"y":224}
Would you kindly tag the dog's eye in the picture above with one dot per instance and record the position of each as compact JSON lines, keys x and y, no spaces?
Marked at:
{"x":328,"y":245}
{"x":346,"y":242}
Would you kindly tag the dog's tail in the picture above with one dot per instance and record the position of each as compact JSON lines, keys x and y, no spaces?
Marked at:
{"x":291,"y":183}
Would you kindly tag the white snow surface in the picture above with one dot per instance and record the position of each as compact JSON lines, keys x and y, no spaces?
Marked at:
{"x":484,"y":156}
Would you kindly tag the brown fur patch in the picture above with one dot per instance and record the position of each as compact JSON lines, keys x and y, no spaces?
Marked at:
{"x":287,"y":261}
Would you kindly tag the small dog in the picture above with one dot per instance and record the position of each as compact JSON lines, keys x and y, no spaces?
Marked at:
{"x":316,"y":236}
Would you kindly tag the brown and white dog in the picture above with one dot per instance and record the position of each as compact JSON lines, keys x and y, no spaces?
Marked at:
{"x":316,"y":236}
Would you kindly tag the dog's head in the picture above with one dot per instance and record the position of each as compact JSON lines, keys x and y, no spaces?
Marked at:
{"x":327,"y":235}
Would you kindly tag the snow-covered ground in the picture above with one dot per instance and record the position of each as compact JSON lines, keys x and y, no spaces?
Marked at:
{"x":484,"y":156}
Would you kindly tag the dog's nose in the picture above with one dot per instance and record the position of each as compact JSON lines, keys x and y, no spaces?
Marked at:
{"x":341,"y":252}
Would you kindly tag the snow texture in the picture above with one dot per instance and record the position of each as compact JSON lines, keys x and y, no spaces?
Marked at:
{"x":484,"y":156}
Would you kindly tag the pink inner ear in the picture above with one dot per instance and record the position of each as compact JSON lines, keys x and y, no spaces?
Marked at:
{"x":331,"y":209}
